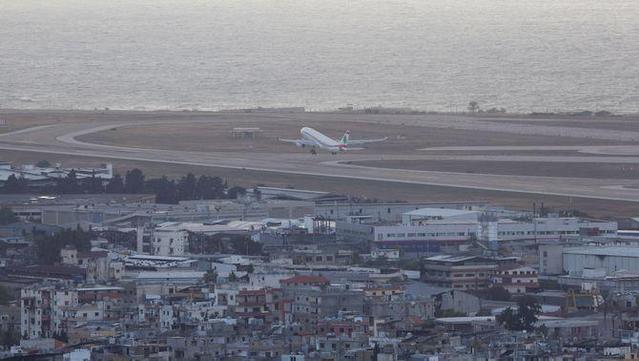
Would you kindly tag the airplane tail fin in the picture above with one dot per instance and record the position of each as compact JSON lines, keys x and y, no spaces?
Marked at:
{"x":345,"y":137}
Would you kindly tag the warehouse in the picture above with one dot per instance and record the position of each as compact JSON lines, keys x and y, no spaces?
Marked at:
{"x":608,"y":259}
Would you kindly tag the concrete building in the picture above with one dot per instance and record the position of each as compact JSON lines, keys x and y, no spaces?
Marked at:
{"x":169,"y":241}
{"x":46,"y":175}
{"x":434,"y":230}
{"x":43,"y":310}
{"x":517,"y":279}
{"x":386,"y":212}
{"x":458,"y":272}
{"x":549,"y":228}
{"x":426,"y":238}
{"x":608,"y":259}
{"x":551,"y":259}
{"x":426,"y":215}
{"x":128,"y":210}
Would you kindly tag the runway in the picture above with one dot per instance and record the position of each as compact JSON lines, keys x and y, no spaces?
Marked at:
{"x":63,"y":139}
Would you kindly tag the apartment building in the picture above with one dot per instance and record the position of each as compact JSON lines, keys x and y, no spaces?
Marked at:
{"x":459,"y":272}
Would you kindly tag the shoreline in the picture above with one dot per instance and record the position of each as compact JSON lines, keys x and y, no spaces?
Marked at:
{"x":563,"y":115}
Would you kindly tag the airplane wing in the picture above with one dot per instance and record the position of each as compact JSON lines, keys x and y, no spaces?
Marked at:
{"x":364,"y":141}
{"x":288,"y":140}
{"x":298,"y":142}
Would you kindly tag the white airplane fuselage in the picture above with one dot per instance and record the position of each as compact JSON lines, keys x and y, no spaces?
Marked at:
{"x":321,"y":141}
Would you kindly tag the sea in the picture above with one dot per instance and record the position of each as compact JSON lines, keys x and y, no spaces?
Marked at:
{"x":430,"y":55}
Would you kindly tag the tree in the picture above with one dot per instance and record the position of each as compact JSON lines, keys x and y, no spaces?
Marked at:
{"x":496,"y":293}
{"x":93,"y":185}
{"x":48,"y":247}
{"x":449,"y":312}
{"x":236,"y":192}
{"x":473,"y":107}
{"x":10,"y":337}
{"x":15,"y":185}
{"x":483,"y":312}
{"x":68,"y":184}
{"x":509,"y":319}
{"x":529,"y":310}
{"x":5,"y":296}
{"x":246,"y":246}
{"x":210,"y":277}
{"x":164,"y":189}
{"x":134,"y":181}
{"x":115,"y":185}
{"x":7,"y":216}
{"x":43,"y":164}
{"x":232,"y":277}
{"x":61,"y":336}
{"x":209,"y":188}
{"x":527,"y":314}
{"x":187,"y":187}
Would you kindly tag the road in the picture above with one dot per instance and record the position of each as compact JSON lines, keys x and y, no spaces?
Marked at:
{"x":62,"y":139}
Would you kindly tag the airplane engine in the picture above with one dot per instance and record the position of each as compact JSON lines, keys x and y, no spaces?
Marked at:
{"x":300,"y":144}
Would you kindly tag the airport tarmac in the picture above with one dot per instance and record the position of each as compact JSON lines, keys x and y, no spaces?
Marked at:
{"x":63,"y":138}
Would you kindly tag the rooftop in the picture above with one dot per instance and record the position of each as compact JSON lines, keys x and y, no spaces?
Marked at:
{"x":605,"y":251}
{"x":173,"y":275}
{"x":306,"y":279}
{"x":450,"y":258}
{"x":440,"y":212}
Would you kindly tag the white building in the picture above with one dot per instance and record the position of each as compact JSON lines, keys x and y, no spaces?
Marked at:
{"x":519,"y":279}
{"x":43,"y":310}
{"x":550,"y":259}
{"x":550,"y":229}
{"x":431,"y":230}
{"x":259,"y":280}
{"x":226,"y":296}
{"x":608,"y":259}
{"x":169,"y":242}
{"x":167,"y":318}
{"x":431,"y":237}
{"x":42,"y":174}
{"x":427,"y":215}
{"x":81,"y":354}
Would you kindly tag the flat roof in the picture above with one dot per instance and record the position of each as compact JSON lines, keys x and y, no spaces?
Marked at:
{"x":105,"y":288}
{"x":604,"y":251}
{"x":569,"y":323}
{"x":472,"y":319}
{"x":144,"y":257}
{"x":170,"y":275}
{"x":439,"y":212}
{"x":450,"y":258}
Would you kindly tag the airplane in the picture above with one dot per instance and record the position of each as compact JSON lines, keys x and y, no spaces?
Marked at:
{"x":314,"y":139}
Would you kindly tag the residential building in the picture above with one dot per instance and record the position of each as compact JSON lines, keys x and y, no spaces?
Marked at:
{"x":458,"y":272}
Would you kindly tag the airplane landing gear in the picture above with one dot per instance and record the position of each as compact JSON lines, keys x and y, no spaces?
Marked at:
{"x":313,"y":151}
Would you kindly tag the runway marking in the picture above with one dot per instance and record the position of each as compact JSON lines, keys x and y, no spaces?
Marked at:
{"x":294,"y":163}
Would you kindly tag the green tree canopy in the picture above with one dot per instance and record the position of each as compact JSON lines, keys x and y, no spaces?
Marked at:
{"x":134,"y":181}
{"x":43,"y":164}
{"x":15,"y":185}
{"x":527,"y":314}
{"x":235,"y":192}
{"x":7,"y":216}
{"x":48,"y":246}
{"x":115,"y":185}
